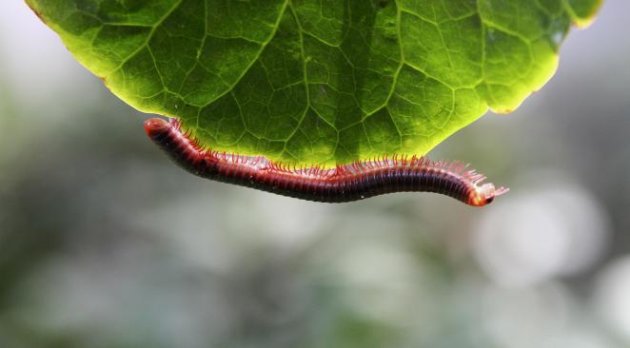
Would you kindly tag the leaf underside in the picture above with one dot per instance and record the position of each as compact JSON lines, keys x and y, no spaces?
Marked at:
{"x":318,"y":81}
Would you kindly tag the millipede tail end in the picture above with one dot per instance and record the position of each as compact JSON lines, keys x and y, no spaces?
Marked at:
{"x":156,"y":126}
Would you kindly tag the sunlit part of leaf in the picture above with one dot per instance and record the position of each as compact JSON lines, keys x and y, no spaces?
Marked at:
{"x":318,"y":81}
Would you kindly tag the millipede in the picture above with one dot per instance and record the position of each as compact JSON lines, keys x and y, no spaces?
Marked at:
{"x":343,"y":183}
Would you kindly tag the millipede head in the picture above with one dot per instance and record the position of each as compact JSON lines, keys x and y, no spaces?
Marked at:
{"x":485,"y":194}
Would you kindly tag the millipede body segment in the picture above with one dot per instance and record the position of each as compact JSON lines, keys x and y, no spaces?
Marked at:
{"x":344,"y":183}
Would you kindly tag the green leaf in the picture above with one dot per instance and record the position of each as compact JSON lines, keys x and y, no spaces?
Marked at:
{"x":318,"y":81}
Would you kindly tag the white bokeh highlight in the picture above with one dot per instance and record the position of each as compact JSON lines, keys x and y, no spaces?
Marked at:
{"x":612,"y":296}
{"x":545,"y":228}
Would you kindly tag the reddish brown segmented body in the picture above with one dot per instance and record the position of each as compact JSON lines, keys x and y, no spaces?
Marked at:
{"x":343,"y":183}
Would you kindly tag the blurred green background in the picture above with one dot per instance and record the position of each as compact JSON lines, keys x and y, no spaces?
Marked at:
{"x":105,"y":243}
